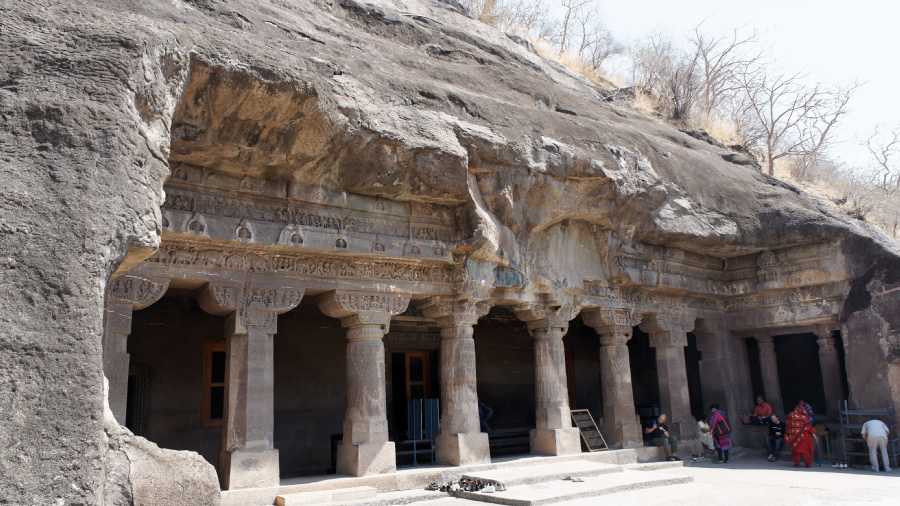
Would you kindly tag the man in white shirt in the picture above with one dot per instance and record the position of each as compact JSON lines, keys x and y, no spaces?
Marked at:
{"x":875,"y":432}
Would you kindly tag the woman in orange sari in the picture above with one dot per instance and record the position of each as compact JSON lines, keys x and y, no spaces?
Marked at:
{"x":799,"y":435}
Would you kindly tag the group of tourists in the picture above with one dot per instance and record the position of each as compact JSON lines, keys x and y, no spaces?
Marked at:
{"x":797,"y":433}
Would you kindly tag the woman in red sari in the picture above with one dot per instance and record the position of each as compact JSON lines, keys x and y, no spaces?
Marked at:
{"x":799,"y":435}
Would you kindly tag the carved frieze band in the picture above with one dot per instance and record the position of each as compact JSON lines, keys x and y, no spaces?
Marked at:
{"x":605,"y":293}
{"x":235,"y":258}
{"x":202,"y":205}
{"x":140,"y":292}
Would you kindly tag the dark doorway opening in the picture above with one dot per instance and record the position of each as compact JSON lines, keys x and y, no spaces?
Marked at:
{"x":692,"y":368}
{"x":412,"y":377}
{"x":799,"y":371}
{"x":644,"y":376}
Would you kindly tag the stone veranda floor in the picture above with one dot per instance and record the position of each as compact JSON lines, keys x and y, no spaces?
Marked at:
{"x":749,"y":479}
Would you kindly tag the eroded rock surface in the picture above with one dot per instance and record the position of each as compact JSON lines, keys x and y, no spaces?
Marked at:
{"x":404,"y":101}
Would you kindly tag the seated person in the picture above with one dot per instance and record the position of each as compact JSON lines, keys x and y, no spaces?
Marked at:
{"x":705,"y":434}
{"x":775,"y":437}
{"x":658,"y":435}
{"x":761,"y":412}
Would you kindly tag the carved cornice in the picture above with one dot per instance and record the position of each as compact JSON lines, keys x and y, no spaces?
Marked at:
{"x":241,"y":258}
{"x":138,"y":291}
{"x":357,"y":309}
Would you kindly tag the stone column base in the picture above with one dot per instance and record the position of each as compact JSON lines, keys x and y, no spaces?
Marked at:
{"x":366,"y":458}
{"x":623,"y":435}
{"x":565,"y":441}
{"x":249,"y":469}
{"x":462,"y":449}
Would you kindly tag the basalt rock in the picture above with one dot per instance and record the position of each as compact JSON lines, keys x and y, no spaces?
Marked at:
{"x":400,"y":101}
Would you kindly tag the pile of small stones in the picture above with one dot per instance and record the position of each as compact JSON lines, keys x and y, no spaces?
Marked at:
{"x":467,"y":485}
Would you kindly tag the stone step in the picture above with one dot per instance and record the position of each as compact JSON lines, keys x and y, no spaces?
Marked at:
{"x":545,"y":472}
{"x":548,"y":492}
{"x":326,"y":496}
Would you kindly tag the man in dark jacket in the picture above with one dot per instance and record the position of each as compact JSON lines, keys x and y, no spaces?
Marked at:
{"x":775,"y":438}
{"x":658,"y":435}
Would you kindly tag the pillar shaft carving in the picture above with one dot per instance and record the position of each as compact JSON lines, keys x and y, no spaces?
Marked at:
{"x":548,"y":324}
{"x":615,"y":327}
{"x":366,"y":316}
{"x":248,"y":457}
{"x":461,"y":440}
{"x":124,"y":294}
{"x":668,"y":334}
{"x":768,"y":365}
{"x":830,"y":364}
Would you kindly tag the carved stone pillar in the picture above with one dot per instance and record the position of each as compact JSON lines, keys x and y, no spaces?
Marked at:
{"x":829,"y":362}
{"x":723,"y":381}
{"x":460,"y":441}
{"x":620,"y":423}
{"x":553,"y":433}
{"x":247,"y":457}
{"x":668,"y":334}
{"x":124,"y":294}
{"x":768,"y":366}
{"x":367,"y":317}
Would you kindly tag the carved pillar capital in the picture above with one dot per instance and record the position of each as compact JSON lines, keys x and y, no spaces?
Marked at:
{"x":675,"y":324}
{"x":363,"y":309}
{"x":545,"y":320}
{"x":451,"y":311}
{"x":613,"y":321}
{"x":252,"y":306}
{"x":825,"y":337}
{"x":765,"y":340}
{"x":139,"y":291}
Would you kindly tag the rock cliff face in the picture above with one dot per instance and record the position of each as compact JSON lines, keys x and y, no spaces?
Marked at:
{"x":405,"y":101}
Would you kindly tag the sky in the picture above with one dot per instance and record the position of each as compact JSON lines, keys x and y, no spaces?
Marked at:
{"x":836,"y":43}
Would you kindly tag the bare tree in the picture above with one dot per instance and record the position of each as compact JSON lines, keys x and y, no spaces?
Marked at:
{"x":886,"y":168}
{"x":669,"y":74}
{"x":719,"y":61}
{"x":597,"y":43}
{"x":783,"y":117}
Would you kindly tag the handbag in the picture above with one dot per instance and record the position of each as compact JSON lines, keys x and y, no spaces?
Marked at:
{"x":722,"y":427}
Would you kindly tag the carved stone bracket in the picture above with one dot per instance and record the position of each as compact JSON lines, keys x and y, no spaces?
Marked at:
{"x":668,"y":330}
{"x":613,"y":321}
{"x":363,"y":308}
{"x":541,"y":317}
{"x":825,"y":338}
{"x":448,"y":311}
{"x":140,"y":292}
{"x":253,"y":306}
